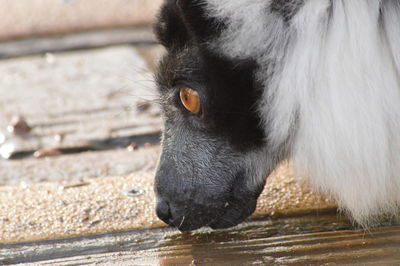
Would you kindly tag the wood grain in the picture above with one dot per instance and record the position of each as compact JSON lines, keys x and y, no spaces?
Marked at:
{"x":82,"y":99}
{"x":28,"y":18}
{"x":76,"y":41}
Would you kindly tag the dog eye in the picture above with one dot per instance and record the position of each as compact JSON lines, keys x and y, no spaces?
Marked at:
{"x":190,"y":100}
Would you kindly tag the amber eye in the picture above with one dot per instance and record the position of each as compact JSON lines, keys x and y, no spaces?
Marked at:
{"x":190,"y":99}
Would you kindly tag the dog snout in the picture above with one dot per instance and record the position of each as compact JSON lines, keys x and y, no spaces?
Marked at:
{"x":185,"y":216}
{"x":163,"y":211}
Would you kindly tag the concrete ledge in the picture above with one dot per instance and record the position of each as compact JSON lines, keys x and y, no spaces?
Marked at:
{"x":82,"y":207}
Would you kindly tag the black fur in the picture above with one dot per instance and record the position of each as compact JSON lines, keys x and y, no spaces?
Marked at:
{"x":228,"y":87}
{"x":194,"y":192}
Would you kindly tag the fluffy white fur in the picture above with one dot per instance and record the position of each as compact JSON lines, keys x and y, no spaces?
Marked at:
{"x":334,"y":71}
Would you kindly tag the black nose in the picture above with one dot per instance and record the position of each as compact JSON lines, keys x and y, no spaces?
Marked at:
{"x":163,"y":212}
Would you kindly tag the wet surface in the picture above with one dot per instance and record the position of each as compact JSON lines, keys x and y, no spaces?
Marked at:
{"x":315,"y":239}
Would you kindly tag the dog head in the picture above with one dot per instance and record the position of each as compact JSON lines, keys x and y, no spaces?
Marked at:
{"x":248,"y":83}
{"x":215,"y":156}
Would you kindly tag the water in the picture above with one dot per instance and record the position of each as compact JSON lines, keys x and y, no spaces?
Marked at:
{"x":313,"y":239}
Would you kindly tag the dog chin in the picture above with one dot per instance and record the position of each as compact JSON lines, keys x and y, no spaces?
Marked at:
{"x":231,"y":217}
{"x":223,"y":222}
{"x":226,"y":222}
{"x":234,"y":216}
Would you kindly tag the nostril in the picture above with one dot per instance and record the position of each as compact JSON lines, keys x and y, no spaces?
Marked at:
{"x":163,"y":211}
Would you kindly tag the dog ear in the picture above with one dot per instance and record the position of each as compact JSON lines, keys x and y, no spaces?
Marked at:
{"x":197,"y":19}
{"x":180,"y":21}
{"x":169,"y":28}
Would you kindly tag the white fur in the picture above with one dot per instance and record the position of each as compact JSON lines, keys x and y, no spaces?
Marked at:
{"x":335,"y":70}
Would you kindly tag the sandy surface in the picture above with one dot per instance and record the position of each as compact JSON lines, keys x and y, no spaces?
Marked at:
{"x":81,"y":207}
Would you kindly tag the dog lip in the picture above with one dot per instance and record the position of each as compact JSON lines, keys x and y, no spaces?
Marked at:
{"x":185,"y":225}
{"x":223,"y":224}
{"x":190,"y":222}
{"x":234,"y":213}
{"x":218,"y":222}
{"x":188,"y":228}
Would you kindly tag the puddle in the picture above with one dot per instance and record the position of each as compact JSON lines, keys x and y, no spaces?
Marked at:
{"x":313,"y":240}
{"x":202,"y":245}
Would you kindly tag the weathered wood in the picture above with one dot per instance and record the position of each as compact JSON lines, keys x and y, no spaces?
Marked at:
{"x":84,"y":165}
{"x":78,"y":99}
{"x":77,"y":41}
{"x":307,"y":240}
{"x":27,"y":18}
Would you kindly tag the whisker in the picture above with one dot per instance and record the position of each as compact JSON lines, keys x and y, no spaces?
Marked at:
{"x":183,"y":219}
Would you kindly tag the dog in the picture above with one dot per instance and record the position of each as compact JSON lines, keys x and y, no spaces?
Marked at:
{"x":247,"y":84}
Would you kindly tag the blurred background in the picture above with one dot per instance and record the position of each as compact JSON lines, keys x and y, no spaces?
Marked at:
{"x":76,"y":85}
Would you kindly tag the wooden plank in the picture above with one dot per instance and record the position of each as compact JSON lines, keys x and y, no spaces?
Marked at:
{"x":27,"y":18}
{"x":77,"y":41}
{"x":307,"y":240}
{"x":77,"y":99}
{"x":79,"y":166}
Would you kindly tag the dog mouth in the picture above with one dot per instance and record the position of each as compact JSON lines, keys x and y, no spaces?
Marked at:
{"x":190,"y":221}
{"x":230,"y":215}
{"x":234,"y":214}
